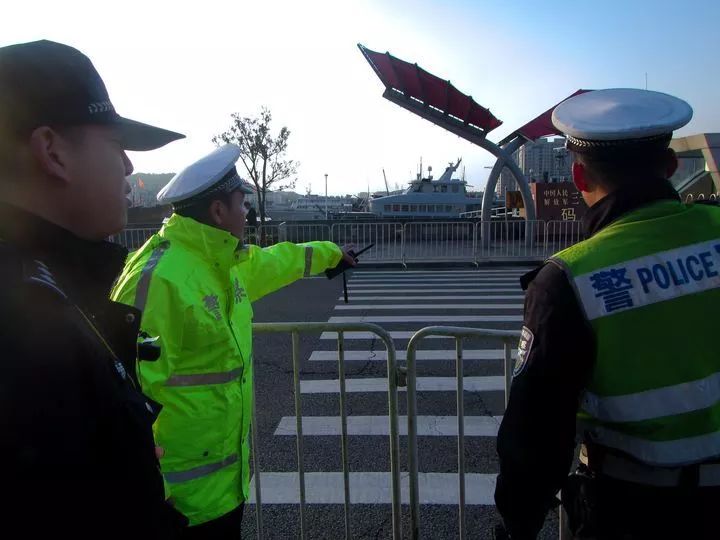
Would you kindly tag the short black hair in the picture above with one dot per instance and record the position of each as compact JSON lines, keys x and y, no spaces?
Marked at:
{"x":618,"y":169}
{"x":200,"y":211}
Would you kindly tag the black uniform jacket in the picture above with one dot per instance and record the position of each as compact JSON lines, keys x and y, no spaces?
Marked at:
{"x":76,"y":445}
{"x":536,"y":441}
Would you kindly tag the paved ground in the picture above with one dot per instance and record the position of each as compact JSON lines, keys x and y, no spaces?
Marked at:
{"x":401,"y":302}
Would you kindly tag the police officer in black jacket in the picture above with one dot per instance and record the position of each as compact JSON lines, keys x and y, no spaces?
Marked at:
{"x":76,"y":443}
{"x":618,"y":492}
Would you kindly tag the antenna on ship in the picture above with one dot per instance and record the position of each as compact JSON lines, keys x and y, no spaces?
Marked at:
{"x":387,"y":189}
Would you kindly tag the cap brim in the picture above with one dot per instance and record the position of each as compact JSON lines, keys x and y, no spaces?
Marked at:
{"x":139,"y":137}
{"x":247,"y":190}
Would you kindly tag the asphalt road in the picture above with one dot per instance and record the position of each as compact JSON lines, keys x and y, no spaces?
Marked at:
{"x":405,"y":301}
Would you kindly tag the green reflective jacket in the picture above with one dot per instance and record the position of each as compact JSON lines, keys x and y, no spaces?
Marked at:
{"x":649,"y":284}
{"x":196,"y":288}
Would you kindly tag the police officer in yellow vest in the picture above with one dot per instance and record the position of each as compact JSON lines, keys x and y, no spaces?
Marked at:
{"x":195,"y":282}
{"x":618,"y":346}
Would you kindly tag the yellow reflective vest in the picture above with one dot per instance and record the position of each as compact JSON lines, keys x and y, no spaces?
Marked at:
{"x":195,"y":285}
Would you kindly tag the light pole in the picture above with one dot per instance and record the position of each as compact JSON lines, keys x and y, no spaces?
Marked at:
{"x":326,"y":198}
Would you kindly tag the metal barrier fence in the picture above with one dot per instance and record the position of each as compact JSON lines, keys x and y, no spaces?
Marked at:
{"x":387,"y":237}
{"x":426,"y":241}
{"x":560,"y":235}
{"x":133,"y":239}
{"x":340,"y":328}
{"x":251,"y":235}
{"x":456,"y":241}
{"x":511,"y":240}
{"x":303,"y":232}
{"x":266,"y":235}
{"x":509,"y":339}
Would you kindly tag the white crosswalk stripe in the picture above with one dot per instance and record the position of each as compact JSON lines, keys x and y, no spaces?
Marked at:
{"x":434,"y":281}
{"x":427,"y":426}
{"x":404,"y":273}
{"x":358,"y":284}
{"x":381,"y":356}
{"x":428,"y":291}
{"x":424,"y":384}
{"x":372,"y":488}
{"x":459,"y":298}
{"x":395,"y":334}
{"x":428,"y":318}
{"x":404,"y":307}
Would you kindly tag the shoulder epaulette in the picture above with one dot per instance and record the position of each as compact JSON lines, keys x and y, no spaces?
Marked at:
{"x":37,"y":273}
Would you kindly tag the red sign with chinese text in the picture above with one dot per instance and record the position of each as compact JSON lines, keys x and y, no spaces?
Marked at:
{"x":558,"y":201}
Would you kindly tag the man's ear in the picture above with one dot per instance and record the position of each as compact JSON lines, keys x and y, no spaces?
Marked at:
{"x":51,"y":152}
{"x":218,"y":212}
{"x":579,"y":176}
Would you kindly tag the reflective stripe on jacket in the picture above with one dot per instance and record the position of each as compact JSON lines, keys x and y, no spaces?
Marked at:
{"x":195,"y":287}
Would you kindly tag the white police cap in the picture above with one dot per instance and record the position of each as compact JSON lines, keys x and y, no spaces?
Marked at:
{"x":616,"y":116}
{"x":214,"y":173}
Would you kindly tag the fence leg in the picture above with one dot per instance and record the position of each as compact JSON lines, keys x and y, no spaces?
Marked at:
{"x":461,"y":435}
{"x":256,"y":461}
{"x":403,"y":255}
{"x":299,"y":431}
{"x":343,"y":438}
{"x":412,"y":443}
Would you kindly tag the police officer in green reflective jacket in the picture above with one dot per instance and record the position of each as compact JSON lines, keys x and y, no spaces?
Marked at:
{"x":617,"y":344}
{"x":195,"y":282}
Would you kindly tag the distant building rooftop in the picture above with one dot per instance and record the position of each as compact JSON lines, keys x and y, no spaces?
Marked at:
{"x":699,"y":157}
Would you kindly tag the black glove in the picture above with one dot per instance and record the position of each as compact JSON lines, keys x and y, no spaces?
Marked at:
{"x":147,"y":348}
{"x":580,"y":503}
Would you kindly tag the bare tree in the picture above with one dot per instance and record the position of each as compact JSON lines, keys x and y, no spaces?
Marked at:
{"x":262,"y":154}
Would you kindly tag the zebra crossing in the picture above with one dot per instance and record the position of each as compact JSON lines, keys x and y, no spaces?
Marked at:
{"x":402,"y":302}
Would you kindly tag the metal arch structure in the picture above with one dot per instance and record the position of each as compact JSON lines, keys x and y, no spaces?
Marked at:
{"x":537,"y":127}
{"x":438,"y":101}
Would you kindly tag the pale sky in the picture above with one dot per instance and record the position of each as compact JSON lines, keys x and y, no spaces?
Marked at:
{"x":187,"y":66}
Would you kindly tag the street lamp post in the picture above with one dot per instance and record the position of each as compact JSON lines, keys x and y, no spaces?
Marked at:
{"x":326,"y":198}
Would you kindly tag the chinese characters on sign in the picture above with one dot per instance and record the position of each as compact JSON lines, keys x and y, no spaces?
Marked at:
{"x":559,"y":201}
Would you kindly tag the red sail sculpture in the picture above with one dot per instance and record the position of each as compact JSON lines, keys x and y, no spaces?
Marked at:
{"x":429,"y":91}
{"x":438,"y":101}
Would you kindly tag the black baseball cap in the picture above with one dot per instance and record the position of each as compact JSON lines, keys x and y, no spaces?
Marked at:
{"x":44,"y":83}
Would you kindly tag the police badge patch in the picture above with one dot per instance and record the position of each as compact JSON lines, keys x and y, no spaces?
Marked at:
{"x":238,"y":291}
{"x":212,"y":303}
{"x":524,"y":348}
